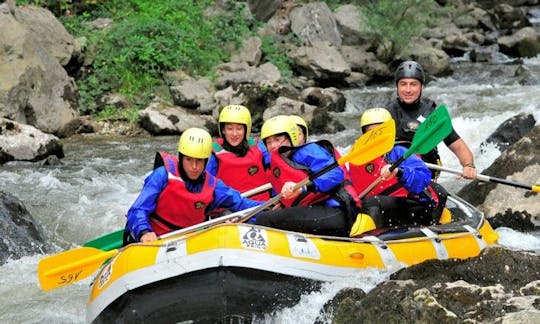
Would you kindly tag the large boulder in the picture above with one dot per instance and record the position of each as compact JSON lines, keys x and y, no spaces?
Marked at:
{"x":34,"y":87}
{"x":517,"y":164}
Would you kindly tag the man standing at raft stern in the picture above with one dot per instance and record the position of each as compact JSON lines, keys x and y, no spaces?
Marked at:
{"x":410,"y":109}
{"x":179,"y":192}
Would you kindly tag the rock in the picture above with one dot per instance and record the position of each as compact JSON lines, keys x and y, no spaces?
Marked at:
{"x":518,"y":163}
{"x":21,"y":235}
{"x":519,"y":221}
{"x":38,"y":91}
{"x":511,"y":130}
{"x":25,"y":143}
{"x":488,"y":288}
{"x":314,"y":22}
{"x":162,"y":119}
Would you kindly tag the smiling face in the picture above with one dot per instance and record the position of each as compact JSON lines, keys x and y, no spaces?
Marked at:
{"x":409,"y":90}
{"x":193,"y":167}
{"x":234,"y":133}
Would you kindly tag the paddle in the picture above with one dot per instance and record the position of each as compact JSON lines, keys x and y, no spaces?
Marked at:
{"x":430,"y":133}
{"x":481,"y":177}
{"x":73,"y":265}
{"x":115,"y":239}
{"x":367,"y":147}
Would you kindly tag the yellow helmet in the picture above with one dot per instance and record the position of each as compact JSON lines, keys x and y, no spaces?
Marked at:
{"x":374,"y":116}
{"x":195,"y":143}
{"x":235,"y":114}
{"x":302,"y":123}
{"x":278,"y":125}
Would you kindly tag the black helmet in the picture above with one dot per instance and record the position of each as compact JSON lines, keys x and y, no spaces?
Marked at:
{"x":410,"y":69}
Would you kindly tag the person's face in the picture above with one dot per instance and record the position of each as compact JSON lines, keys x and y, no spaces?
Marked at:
{"x":370,"y":127}
{"x":276,"y":141}
{"x":234,"y":133}
{"x":409,"y":90}
{"x":301,"y":136}
{"x":193,"y":167}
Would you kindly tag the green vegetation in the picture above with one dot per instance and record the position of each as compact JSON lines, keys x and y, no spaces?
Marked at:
{"x":395,"y":23}
{"x":146,"y":39}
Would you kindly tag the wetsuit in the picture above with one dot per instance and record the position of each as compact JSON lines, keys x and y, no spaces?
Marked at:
{"x":408,"y":117}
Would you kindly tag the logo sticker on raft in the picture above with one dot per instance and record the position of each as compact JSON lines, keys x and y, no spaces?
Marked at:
{"x":253,"y":238}
{"x":105,"y":275}
{"x":302,"y":247}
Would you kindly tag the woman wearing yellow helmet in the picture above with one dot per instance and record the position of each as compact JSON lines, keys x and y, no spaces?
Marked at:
{"x":179,"y":192}
{"x":237,"y":159}
{"x":324,"y":207}
{"x":403,"y":197}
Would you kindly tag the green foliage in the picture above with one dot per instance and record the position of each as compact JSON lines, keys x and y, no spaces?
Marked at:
{"x":149,"y":38}
{"x":395,"y":23}
{"x":274,"y":51}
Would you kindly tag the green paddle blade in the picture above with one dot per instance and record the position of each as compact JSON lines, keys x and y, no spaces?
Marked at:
{"x":431,"y":132}
{"x":107,"y":242}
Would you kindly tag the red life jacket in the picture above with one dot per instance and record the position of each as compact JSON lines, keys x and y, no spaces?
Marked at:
{"x":364,"y":175}
{"x":177,"y":207}
{"x":242,"y":173}
{"x":281,"y":171}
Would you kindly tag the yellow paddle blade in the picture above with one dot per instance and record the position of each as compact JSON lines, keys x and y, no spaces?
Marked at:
{"x":70,"y":266}
{"x":372,"y":144}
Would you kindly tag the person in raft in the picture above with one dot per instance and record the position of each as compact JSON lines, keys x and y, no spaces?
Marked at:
{"x":179,"y":192}
{"x":403,"y":197}
{"x":237,"y":159}
{"x":324,"y":207}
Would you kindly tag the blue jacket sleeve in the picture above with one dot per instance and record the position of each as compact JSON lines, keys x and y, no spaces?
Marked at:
{"x":212,"y":165}
{"x":138,"y":213}
{"x":226,"y":197}
{"x":416,"y":175}
{"x":266,"y":154}
{"x":317,"y":158}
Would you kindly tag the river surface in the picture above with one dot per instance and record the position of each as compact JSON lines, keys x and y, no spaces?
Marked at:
{"x":89,"y":194}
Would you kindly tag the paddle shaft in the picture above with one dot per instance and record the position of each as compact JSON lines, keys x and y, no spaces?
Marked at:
{"x":73,"y":265}
{"x":380,"y":178}
{"x":481,"y":177}
{"x":114,"y":240}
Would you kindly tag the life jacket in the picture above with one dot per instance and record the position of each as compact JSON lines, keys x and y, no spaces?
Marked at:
{"x":364,"y":175}
{"x":242,"y":173}
{"x":347,"y":182}
{"x":176,"y":206}
{"x":283,"y":169}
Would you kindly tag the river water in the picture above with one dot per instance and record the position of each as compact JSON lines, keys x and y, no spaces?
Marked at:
{"x":89,"y":194}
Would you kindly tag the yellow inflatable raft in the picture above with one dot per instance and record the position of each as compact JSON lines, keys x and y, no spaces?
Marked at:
{"x":241,"y":271}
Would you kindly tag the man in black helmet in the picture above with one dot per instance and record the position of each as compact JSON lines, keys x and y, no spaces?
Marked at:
{"x":410,"y":109}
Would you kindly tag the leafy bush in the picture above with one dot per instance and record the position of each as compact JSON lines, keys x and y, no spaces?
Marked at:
{"x":149,"y":38}
{"x":395,"y":23}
